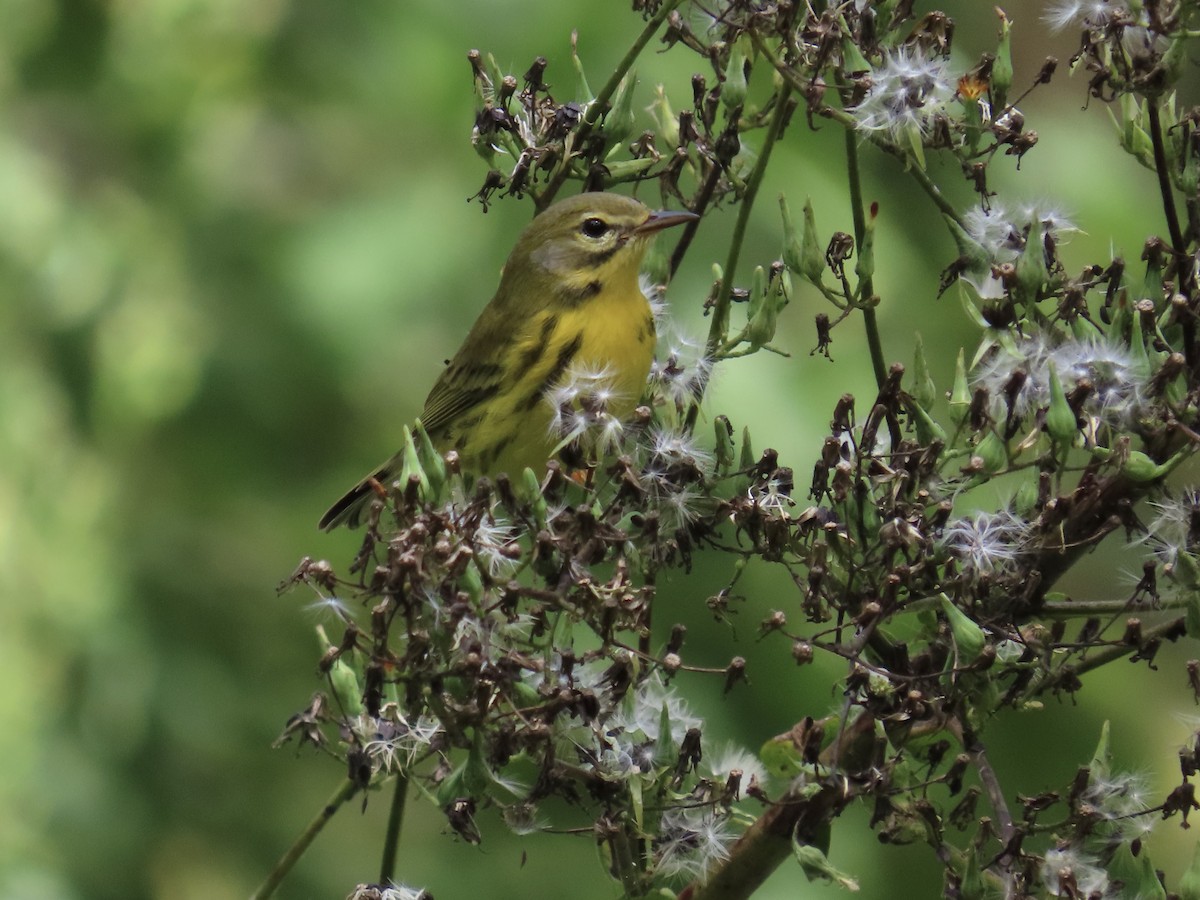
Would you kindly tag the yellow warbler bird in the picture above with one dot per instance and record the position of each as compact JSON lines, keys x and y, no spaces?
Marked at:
{"x":568,"y":302}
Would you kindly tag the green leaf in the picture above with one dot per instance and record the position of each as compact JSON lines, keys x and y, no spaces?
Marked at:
{"x":968,"y":636}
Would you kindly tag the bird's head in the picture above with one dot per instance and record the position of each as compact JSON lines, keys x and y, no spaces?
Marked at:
{"x":579,"y":245}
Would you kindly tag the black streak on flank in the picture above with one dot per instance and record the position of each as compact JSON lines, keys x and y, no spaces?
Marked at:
{"x":647,"y":331}
{"x":488,"y":457}
{"x":565,"y":355}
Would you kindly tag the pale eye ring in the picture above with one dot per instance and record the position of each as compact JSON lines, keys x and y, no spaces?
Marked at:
{"x":593,"y":227}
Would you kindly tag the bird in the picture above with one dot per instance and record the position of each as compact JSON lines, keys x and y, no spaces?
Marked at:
{"x":569,"y":300}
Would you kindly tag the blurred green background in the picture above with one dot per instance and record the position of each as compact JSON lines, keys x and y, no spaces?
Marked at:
{"x":234,"y":249}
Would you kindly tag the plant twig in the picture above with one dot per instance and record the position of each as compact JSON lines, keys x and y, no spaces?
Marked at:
{"x":344,"y":792}
{"x":866,"y":288}
{"x":1164,"y":179}
{"x":720,"y":312}
{"x":391,"y":840}
{"x":1178,"y":245}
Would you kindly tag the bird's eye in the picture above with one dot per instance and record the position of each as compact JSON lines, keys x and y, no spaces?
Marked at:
{"x":594,"y":228}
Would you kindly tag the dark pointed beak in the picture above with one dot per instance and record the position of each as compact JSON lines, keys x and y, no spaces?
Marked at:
{"x":663,"y":218}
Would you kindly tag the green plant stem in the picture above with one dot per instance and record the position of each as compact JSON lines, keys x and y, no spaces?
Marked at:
{"x":1178,"y":244}
{"x":344,"y":792}
{"x":690,"y":229}
{"x":866,"y":288}
{"x":1073,"y":609}
{"x":1164,"y":179}
{"x":391,"y":839}
{"x":600,"y":104}
{"x":720,"y":312}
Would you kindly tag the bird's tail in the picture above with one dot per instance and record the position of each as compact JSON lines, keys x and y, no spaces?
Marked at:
{"x":349,"y":509}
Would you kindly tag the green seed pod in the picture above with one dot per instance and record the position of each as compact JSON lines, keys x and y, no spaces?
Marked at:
{"x":928,"y":430}
{"x":1140,"y":468}
{"x":1101,"y":762}
{"x":724,"y":449}
{"x":619,"y":121}
{"x":344,"y":681}
{"x":733,"y":88}
{"x":1025,"y":499}
{"x":533,"y":490}
{"x":1131,"y":129}
{"x":1081,"y":330}
{"x":869,"y":517}
{"x":484,"y":147}
{"x":812,"y":265}
{"x":758,"y":293}
{"x":342,"y":678}
{"x":992,"y":451}
{"x":913,"y":141}
{"x":1186,"y":571}
{"x":781,"y":289}
{"x":432,"y":462}
{"x":969,"y":638}
{"x":793,"y":252}
{"x":412,"y":465}
{"x":1002,"y":67}
{"x":1137,"y":341}
{"x":1188,"y":180}
{"x":746,"y":458}
{"x":471,"y":582}
{"x":583,"y":91}
{"x":1173,"y":61}
{"x":853,"y":62}
{"x":1032,"y":274}
{"x":622,"y":169}
{"x":761,"y":327}
{"x":975,"y":255}
{"x":666,"y":123}
{"x":924,"y":391}
{"x":1061,"y":423}
{"x":972,"y":121}
{"x":960,"y":395}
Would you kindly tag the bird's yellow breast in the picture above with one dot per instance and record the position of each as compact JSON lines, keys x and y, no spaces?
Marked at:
{"x":611,"y":333}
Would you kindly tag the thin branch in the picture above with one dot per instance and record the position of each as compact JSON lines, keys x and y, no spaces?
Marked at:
{"x":344,"y":792}
{"x":866,"y":288}
{"x":720,"y":312}
{"x":1164,"y":180}
{"x":689,"y":230}
{"x":391,"y":839}
{"x":1108,"y":654}
{"x":1178,"y":245}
